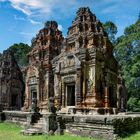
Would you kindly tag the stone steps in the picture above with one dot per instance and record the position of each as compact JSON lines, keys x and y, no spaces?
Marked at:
{"x":34,"y":129}
{"x":40,"y":120}
{"x":37,"y":126}
{"x":31,"y":131}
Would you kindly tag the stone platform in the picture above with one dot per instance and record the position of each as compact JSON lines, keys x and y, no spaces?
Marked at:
{"x":108,"y":127}
{"x":89,"y":111}
{"x":19,"y":117}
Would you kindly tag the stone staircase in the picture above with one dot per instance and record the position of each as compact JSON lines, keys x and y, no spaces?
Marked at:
{"x":34,"y":129}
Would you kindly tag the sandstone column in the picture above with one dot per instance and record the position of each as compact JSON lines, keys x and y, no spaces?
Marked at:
{"x":78,"y":88}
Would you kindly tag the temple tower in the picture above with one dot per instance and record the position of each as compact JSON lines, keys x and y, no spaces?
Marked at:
{"x":39,"y":77}
{"x":85,"y":72}
{"x":11,"y":82}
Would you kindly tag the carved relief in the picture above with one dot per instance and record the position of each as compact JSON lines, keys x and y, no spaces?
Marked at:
{"x":69,"y":79}
{"x":90,"y":44}
{"x":90,"y":79}
{"x":57,"y":84}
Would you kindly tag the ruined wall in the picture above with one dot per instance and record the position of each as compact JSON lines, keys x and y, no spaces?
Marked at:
{"x":11,"y":82}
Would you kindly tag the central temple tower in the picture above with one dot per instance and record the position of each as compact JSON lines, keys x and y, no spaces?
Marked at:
{"x":85,"y":73}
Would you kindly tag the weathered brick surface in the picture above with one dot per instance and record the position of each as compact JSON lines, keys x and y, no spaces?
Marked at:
{"x":11,"y":82}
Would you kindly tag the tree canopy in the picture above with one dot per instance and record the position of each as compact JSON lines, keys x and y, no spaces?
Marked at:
{"x":127,"y":52}
{"x":20,"y":52}
{"x":111,"y":29}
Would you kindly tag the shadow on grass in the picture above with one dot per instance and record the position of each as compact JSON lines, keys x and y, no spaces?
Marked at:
{"x":127,"y":134}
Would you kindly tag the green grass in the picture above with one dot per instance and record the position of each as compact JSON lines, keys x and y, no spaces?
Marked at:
{"x":10,"y":131}
{"x":133,"y":137}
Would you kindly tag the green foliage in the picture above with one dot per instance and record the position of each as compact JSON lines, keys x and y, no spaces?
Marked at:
{"x":134,"y":104}
{"x":111,"y":29}
{"x":20,"y":52}
{"x":127,"y":52}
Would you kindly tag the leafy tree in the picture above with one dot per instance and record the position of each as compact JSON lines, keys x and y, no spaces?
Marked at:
{"x":111,"y":29}
{"x":20,"y":52}
{"x":134,"y":104}
{"x":127,"y":52}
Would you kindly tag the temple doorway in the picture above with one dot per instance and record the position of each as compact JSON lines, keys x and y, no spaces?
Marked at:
{"x":71,"y":95}
{"x":34,"y":95}
{"x":14,"y":100}
{"x":111,"y":97}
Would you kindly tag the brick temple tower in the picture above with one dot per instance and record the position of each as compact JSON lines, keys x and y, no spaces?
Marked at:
{"x":39,"y":77}
{"x":85,"y":73}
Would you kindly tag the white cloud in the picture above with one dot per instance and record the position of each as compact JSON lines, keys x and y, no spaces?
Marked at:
{"x":22,"y":8}
{"x":60,"y":27}
{"x":36,"y":7}
{"x":46,"y":7}
{"x":27,"y":19}
{"x":56,"y":9}
{"x":34,"y":22}
{"x":19,"y":18}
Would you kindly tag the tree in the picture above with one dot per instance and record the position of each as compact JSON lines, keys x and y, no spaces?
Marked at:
{"x":111,"y":29}
{"x":127,"y":52}
{"x":20,"y":52}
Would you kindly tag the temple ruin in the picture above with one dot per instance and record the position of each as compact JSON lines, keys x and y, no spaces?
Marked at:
{"x":71,"y":83}
{"x":80,"y":71}
{"x":11,"y":82}
{"x":39,"y":75}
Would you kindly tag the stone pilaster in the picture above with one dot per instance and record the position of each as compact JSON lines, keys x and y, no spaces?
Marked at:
{"x":63,"y":94}
{"x":78,"y":88}
{"x":50,"y":123}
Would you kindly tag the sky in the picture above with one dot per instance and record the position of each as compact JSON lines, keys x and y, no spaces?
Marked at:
{"x":20,"y":20}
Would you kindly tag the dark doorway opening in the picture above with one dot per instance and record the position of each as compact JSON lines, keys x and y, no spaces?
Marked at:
{"x":71,"y":95}
{"x":111,"y":97}
{"x":14,"y":100}
{"x":34,"y":95}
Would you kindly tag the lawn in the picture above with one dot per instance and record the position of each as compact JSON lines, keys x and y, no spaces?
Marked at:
{"x":12,"y":132}
{"x":133,"y":137}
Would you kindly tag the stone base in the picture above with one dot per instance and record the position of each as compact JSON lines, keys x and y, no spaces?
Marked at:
{"x":89,"y":111}
{"x":15,"y":116}
{"x":50,"y":122}
{"x":92,"y":131}
{"x":108,"y":127}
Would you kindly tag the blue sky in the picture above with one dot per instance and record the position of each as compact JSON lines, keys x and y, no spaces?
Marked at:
{"x":20,"y":20}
